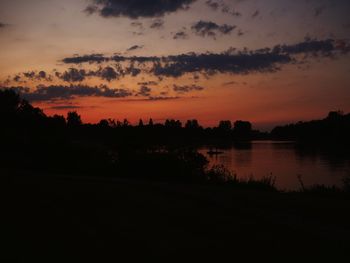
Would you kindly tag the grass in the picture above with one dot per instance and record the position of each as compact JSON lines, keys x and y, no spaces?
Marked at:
{"x":321,"y":189}
{"x":218,"y":174}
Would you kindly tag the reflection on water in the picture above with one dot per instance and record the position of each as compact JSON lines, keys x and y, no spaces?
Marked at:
{"x":284,"y":160}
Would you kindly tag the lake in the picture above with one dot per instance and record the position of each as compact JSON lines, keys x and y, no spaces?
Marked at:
{"x":282,"y":160}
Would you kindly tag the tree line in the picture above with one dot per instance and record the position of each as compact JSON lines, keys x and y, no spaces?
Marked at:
{"x":32,"y":141}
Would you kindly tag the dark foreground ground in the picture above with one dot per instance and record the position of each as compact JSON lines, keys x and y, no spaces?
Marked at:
{"x":64,"y":219}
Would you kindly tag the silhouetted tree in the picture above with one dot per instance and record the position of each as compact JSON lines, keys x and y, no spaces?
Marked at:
{"x":9,"y":102}
{"x":119,"y":124}
{"x":126,"y":123}
{"x":225,"y":125}
{"x":335,"y":128}
{"x":30,"y":114}
{"x":140,"y":123}
{"x":18,"y":112}
{"x":111,"y":123}
{"x":173,"y":124}
{"x":335,"y":115}
{"x":56,"y":122}
{"x":192,"y":124}
{"x":150,"y":123}
{"x":73,"y":119}
{"x":103,"y":123}
{"x":242,"y":128}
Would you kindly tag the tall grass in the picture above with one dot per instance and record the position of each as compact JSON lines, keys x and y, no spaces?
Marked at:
{"x":218,"y":174}
{"x":325,"y":189}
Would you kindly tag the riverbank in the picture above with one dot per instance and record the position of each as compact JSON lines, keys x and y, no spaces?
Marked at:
{"x":75,"y":218}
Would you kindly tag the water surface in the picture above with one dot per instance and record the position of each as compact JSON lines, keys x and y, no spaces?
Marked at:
{"x":283,"y":160}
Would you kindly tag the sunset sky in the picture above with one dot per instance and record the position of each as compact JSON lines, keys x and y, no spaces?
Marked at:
{"x":267,"y":61}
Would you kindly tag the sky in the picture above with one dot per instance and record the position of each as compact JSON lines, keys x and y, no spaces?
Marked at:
{"x":267,"y":61}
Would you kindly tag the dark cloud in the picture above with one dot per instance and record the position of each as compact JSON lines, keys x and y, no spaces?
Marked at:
{"x":137,"y":33}
{"x":155,"y":98}
{"x":73,"y":75}
{"x":105,"y":73}
{"x":3,"y":25}
{"x":17,"y":78}
{"x":132,"y":70}
{"x":231,"y":61}
{"x":93,"y":58}
{"x":35,"y":75}
{"x":148,"y":83}
{"x":231,"y":12}
{"x":309,"y":46}
{"x":210,"y":29}
{"x":137,"y":24}
{"x":42,"y":74}
{"x":180,"y":35}
{"x":144,"y":91}
{"x":186,"y":88}
{"x":226,"y":29}
{"x":100,"y":58}
{"x":65,"y":107}
{"x":244,"y":62}
{"x":138,"y":59}
{"x":77,"y":75}
{"x":230,"y":83}
{"x":108,"y":73}
{"x":157,"y":24}
{"x":319,"y":10}
{"x":91,"y":9}
{"x":61,"y":92}
{"x":213,"y":4}
{"x":135,"y":47}
{"x":221,"y":6}
{"x":29,"y":75}
{"x":241,"y":63}
{"x":255,"y":14}
{"x":136,"y":8}
{"x":196,"y":77}
{"x":343,"y":45}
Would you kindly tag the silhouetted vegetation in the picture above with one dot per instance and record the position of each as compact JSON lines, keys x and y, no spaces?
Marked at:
{"x":32,"y":141}
{"x":334,"y":129}
{"x":325,"y":190}
{"x":218,"y":174}
{"x":55,"y":210}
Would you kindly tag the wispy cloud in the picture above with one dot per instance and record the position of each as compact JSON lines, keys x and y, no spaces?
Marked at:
{"x":134,"y":47}
{"x":3,"y":25}
{"x":211,"y":29}
{"x":180,"y":35}
{"x":187,"y":88}
{"x":223,"y":7}
{"x":157,"y":24}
